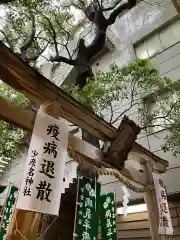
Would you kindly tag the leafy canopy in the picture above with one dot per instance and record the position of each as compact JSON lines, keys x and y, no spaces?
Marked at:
{"x":9,"y":134}
{"x":139,"y":86}
{"x":36,"y":29}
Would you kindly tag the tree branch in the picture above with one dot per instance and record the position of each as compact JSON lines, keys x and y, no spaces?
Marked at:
{"x":74,"y":5}
{"x":44,"y":39}
{"x":165,"y":126}
{"x":53,"y":32}
{"x":39,"y":33}
{"x":132,"y":105}
{"x":162,"y":117}
{"x":67,"y":49}
{"x":38,"y":54}
{"x":110,"y":8}
{"x":30,"y":39}
{"x":98,"y":3}
{"x":130,"y":4}
{"x":81,"y":6}
{"x":63,"y":59}
{"x":45,"y":58}
{"x":60,"y":25}
{"x":68,"y":38}
{"x":7,"y":40}
{"x":6,"y":1}
{"x":111,"y":113}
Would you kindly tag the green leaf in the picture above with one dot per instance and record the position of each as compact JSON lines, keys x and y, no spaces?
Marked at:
{"x":10,"y":135}
{"x":141,"y":85}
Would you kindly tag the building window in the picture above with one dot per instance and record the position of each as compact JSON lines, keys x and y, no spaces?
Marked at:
{"x":158,"y":42}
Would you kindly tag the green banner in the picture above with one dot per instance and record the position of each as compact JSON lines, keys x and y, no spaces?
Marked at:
{"x":108,"y":217}
{"x":8,"y":211}
{"x":88,"y":210}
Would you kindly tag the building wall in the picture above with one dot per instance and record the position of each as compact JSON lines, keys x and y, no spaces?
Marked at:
{"x":136,"y":226}
{"x":13,"y":175}
{"x":129,"y":30}
{"x":169,"y":62}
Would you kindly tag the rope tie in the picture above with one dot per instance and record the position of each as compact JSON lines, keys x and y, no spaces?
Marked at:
{"x":126,"y":182}
{"x":115,"y":173}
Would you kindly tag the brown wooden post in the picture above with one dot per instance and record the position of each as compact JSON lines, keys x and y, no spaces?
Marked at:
{"x":24,"y":224}
{"x":152,"y":207}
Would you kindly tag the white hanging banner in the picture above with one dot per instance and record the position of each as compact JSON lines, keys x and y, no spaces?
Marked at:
{"x":126,"y":199}
{"x":165,"y":224}
{"x":44,"y":171}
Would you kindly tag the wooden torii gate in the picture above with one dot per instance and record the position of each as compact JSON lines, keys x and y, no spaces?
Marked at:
{"x":37,"y":88}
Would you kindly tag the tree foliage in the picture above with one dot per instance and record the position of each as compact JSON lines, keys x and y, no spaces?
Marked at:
{"x":39,"y":30}
{"x":35,"y":29}
{"x":137,"y":86}
{"x":10,"y":135}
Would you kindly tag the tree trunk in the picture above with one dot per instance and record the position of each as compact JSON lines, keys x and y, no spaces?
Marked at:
{"x":176,"y":4}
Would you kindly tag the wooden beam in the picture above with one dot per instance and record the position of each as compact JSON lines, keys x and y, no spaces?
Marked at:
{"x":32,"y":84}
{"x":142,"y":155}
{"x":121,"y":146}
{"x":36,"y":87}
{"x":24,"y":118}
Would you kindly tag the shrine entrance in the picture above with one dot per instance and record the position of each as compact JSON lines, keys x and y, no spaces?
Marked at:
{"x":92,"y":161}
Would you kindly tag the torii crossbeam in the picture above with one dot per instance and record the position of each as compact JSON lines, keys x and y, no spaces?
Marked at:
{"x":37,"y":88}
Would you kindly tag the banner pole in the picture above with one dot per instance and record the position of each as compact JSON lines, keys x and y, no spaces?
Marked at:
{"x":75,"y":218}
